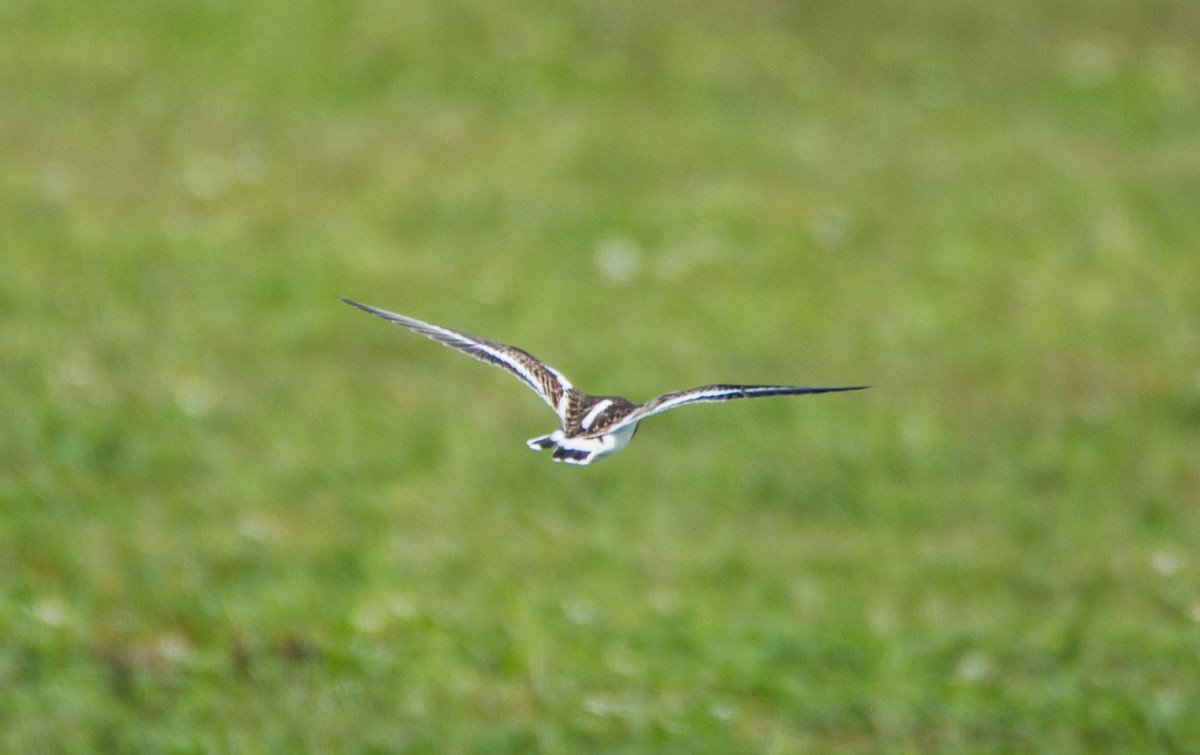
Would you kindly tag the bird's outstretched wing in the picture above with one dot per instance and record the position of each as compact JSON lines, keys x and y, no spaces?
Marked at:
{"x":541,"y":378}
{"x":710,"y":394}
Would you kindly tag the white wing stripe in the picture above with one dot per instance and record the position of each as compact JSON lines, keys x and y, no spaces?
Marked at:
{"x":594,"y":412}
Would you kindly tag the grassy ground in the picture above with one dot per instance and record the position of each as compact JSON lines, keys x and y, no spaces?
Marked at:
{"x":237,"y":515}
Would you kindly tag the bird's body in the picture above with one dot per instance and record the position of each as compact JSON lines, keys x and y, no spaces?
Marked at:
{"x":591,"y":426}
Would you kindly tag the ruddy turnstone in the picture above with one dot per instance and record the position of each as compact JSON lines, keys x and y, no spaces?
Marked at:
{"x":592,"y":426}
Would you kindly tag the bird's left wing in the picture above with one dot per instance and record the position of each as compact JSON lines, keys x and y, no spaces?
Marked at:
{"x":712,"y":394}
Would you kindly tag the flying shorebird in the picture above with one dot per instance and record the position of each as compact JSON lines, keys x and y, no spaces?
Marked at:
{"x":592,"y":426}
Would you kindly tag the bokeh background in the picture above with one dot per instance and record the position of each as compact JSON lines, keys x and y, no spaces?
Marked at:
{"x":237,"y":515}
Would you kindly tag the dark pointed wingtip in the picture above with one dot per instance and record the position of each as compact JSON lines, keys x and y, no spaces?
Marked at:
{"x":353,"y":303}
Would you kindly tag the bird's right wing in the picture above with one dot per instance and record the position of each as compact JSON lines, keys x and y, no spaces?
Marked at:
{"x":541,"y":378}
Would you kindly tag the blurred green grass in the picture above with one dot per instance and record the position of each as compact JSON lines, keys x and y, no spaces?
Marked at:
{"x":237,"y":515}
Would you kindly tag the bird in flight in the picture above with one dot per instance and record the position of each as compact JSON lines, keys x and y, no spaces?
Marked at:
{"x":591,"y":426}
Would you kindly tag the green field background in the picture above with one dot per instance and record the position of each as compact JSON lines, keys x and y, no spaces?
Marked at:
{"x":237,"y":515}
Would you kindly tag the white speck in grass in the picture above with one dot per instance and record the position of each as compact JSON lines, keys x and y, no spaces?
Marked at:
{"x":670,"y":725}
{"x":376,"y":615}
{"x":193,"y":397}
{"x":250,"y":162}
{"x":58,"y":184}
{"x":619,"y":259}
{"x":206,"y":178}
{"x":917,"y":432}
{"x":808,"y":597}
{"x":173,"y":647}
{"x":723,"y":711}
{"x":974,"y":667}
{"x":1167,"y":561}
{"x":666,"y":602}
{"x":599,"y":706}
{"x":80,"y":374}
{"x":579,"y":612}
{"x":679,"y":258}
{"x":624,"y":662}
{"x":830,"y":227}
{"x":367,"y":620}
{"x":883,"y":619}
{"x":254,"y":526}
{"x":1168,"y":701}
{"x":403,"y":607}
{"x":52,"y":612}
